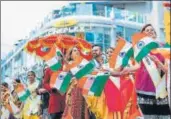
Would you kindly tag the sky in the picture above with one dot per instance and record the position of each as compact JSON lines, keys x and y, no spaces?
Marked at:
{"x":18,"y":18}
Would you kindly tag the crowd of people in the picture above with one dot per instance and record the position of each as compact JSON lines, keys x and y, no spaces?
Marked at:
{"x":46,"y":102}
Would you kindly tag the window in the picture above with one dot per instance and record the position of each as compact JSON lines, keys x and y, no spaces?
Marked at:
{"x":98,"y":10}
{"x":84,"y":9}
{"x":99,"y":38}
{"x":128,"y":33}
{"x":107,"y":38}
{"x":72,"y":34}
{"x":120,"y":31}
{"x":140,"y":18}
{"x":131,"y":16}
{"x":119,"y":14}
{"x":89,"y":37}
{"x":109,"y":11}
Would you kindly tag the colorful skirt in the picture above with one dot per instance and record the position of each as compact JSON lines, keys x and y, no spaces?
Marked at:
{"x":153,"y":108}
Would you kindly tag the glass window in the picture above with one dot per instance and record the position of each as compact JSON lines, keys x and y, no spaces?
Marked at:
{"x":119,"y":14}
{"x":55,"y":14}
{"x":84,"y":9}
{"x":128,"y":33}
{"x":73,"y":8}
{"x":72,"y":34}
{"x":98,"y":10}
{"x":107,"y":30}
{"x":106,"y":46}
{"x":120,"y":31}
{"x":89,"y":37}
{"x":109,"y":11}
{"x":67,"y":10}
{"x":131,"y":16}
{"x":140,"y":18}
{"x":99,"y":38}
{"x":107,"y":39}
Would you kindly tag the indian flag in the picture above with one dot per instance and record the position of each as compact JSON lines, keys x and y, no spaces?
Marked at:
{"x":98,"y":85}
{"x":60,"y":80}
{"x":83,"y":68}
{"x":22,"y":93}
{"x":122,"y":54}
{"x":52,"y":59}
{"x":93,"y":84}
{"x":142,"y":45}
{"x":85,"y":83}
{"x":164,"y":51}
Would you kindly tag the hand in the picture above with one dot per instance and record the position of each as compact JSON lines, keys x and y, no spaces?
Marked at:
{"x":42,"y":90}
{"x":154,"y":58}
{"x":18,"y":112}
{"x":125,"y":71}
{"x":115,"y":73}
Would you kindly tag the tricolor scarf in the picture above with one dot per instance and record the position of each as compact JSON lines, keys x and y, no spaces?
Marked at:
{"x":82,"y":68}
{"x":143,"y":45}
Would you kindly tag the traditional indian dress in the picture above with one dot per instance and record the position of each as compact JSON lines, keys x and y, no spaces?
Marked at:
{"x":117,"y":101}
{"x":151,"y":107}
{"x":76,"y":107}
{"x":32,"y":104}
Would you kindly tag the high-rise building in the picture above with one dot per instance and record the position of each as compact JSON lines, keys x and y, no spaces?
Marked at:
{"x":96,"y":22}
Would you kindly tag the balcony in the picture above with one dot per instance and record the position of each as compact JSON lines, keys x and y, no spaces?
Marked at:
{"x":129,"y":16}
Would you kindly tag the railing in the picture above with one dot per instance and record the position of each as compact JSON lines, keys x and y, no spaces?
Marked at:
{"x":129,"y":16}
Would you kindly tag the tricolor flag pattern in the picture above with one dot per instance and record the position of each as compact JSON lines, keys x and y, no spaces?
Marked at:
{"x":121,"y":55}
{"x":22,"y":92}
{"x":52,"y":59}
{"x":83,"y":68}
{"x":60,"y":80}
{"x":93,"y":84}
{"x":164,"y":51}
{"x":142,"y":45}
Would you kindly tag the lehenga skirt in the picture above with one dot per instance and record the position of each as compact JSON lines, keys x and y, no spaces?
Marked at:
{"x":153,"y":108}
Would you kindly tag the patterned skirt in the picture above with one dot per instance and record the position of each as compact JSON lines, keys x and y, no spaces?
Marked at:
{"x":153,"y":108}
{"x":78,"y":105}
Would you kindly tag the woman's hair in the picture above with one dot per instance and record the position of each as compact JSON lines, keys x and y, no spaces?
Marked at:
{"x":5,"y":84}
{"x":18,"y":80}
{"x":147,"y":25}
{"x":69,"y":53}
{"x":32,"y":73}
{"x":110,"y":48}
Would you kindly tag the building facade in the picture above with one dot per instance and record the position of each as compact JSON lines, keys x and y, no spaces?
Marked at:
{"x":97,"y":22}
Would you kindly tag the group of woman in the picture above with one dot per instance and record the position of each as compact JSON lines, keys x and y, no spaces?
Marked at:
{"x":29,"y":108}
{"x":129,"y":94}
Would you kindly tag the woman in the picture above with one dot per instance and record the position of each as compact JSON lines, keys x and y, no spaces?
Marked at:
{"x":44,"y":98}
{"x":32,"y":103}
{"x":151,"y":107}
{"x":14,"y":98}
{"x":125,"y":105}
{"x":5,"y":95}
{"x":75,"y":103}
{"x":56,"y":103}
